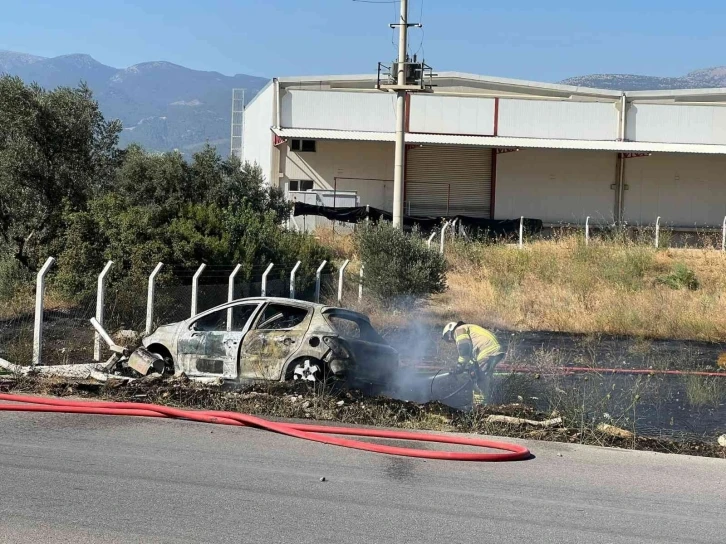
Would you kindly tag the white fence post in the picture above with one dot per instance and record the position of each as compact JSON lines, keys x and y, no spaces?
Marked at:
{"x":318,"y":272}
{"x":340,"y":280}
{"x":657,"y":231}
{"x":587,"y":230}
{"x":723,"y":235}
{"x":39,"y":297}
{"x":453,"y":228}
{"x":263,"y":290}
{"x":292,"y":279}
{"x":150,"y":298}
{"x":431,"y":239}
{"x":360,"y":283}
{"x":230,"y":295}
{"x":100,"y":296}
{"x":521,"y":232}
{"x":195,"y":287}
{"x":443,"y":233}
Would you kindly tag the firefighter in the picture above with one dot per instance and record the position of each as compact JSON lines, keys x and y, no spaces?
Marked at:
{"x":479,"y":352}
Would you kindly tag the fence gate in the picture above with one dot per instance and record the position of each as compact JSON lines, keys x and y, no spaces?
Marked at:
{"x":444,"y":180}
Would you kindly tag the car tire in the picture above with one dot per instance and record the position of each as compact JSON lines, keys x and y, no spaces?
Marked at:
{"x":308,"y":369}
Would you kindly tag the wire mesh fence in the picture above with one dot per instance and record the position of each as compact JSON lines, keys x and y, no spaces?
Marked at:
{"x":69,"y":338}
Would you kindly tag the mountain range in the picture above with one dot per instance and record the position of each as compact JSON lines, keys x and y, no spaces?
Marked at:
{"x":699,"y":79}
{"x":162,"y":106}
{"x":165,"y":106}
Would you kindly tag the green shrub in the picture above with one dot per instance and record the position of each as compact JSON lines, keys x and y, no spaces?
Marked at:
{"x":681,"y":277}
{"x":399,"y":268}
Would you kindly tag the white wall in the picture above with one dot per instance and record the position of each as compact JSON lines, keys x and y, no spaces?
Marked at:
{"x":558,"y":119}
{"x":677,"y":123}
{"x":451,"y":115}
{"x":685,"y":189}
{"x":555,"y":185}
{"x":339,"y":110}
{"x":257,"y":136}
{"x":370,"y":162}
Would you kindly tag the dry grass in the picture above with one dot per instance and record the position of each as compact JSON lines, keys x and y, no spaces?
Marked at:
{"x":609,"y":287}
{"x":563,"y":285}
{"x":340,"y":244}
{"x":704,"y":390}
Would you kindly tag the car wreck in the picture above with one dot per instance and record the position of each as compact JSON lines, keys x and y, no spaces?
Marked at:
{"x":268,"y":338}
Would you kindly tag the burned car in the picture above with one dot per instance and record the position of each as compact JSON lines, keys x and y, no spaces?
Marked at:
{"x":276,"y":339}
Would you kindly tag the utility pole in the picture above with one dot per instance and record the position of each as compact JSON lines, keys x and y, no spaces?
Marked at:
{"x":410,"y":77}
{"x":400,"y":119}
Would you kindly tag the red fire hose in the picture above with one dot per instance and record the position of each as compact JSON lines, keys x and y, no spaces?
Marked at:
{"x":512,"y":452}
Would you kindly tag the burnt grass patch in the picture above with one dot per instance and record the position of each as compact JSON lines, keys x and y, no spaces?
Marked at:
{"x":302,"y":401}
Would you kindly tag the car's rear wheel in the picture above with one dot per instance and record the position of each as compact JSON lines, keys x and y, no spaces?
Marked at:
{"x":308,"y":370}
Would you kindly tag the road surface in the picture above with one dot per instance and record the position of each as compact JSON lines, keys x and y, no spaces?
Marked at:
{"x":78,"y":479}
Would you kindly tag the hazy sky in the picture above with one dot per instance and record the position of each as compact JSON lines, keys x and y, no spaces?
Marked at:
{"x":529,"y":39}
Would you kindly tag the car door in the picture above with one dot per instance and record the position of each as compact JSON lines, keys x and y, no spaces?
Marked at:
{"x":278,"y":332}
{"x":210,"y":344}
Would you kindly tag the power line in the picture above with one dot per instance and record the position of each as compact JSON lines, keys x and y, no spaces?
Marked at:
{"x":393,"y":29}
{"x":378,"y":1}
{"x":423,"y":32}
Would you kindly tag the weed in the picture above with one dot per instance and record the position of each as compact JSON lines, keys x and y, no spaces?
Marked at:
{"x":704,"y":390}
{"x":681,"y":277}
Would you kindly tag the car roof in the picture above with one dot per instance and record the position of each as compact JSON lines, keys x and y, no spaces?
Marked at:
{"x":283,"y":300}
{"x":280,"y":300}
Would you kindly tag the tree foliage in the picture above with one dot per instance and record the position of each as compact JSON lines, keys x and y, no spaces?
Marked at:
{"x":67,"y":190}
{"x":399,"y":268}
{"x":55,"y":150}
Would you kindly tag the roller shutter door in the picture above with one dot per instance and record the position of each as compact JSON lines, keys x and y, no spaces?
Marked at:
{"x":448,"y":180}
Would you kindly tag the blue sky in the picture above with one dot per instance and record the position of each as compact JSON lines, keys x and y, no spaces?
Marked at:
{"x":530,"y":39}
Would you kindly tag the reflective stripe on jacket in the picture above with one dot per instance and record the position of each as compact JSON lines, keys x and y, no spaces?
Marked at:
{"x":475,"y":343}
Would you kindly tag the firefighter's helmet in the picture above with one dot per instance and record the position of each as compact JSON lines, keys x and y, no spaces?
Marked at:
{"x":449,"y":329}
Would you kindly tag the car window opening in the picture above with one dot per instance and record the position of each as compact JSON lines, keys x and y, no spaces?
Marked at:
{"x":280,"y":316}
{"x":352,"y":327}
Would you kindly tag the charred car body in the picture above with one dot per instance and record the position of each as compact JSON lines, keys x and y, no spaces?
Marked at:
{"x":276,"y":339}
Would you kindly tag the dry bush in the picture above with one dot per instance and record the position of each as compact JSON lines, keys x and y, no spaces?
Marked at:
{"x":341,"y":245}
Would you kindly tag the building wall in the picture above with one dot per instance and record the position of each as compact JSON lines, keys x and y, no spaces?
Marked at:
{"x":364,"y":167}
{"x":555,"y":185}
{"x":339,"y":110}
{"x":451,"y":115}
{"x":684,"y":189}
{"x":256,"y":134}
{"x":680,"y":123}
{"x":557,"y":119}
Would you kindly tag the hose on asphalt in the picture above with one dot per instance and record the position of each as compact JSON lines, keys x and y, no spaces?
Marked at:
{"x":315,"y":433}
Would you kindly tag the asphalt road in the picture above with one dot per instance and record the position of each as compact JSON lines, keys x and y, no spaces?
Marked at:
{"x":78,"y":479}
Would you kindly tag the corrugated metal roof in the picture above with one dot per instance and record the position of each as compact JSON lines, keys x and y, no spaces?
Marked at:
{"x":492,"y":141}
{"x":463,"y":77}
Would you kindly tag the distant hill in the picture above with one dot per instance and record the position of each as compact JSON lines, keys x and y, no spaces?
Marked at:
{"x":162,"y":106}
{"x":699,"y":79}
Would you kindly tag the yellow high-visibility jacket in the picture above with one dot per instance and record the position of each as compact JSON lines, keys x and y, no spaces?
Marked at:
{"x":475,"y":344}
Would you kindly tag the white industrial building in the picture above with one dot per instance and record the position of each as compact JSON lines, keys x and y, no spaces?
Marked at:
{"x":497,"y":148}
